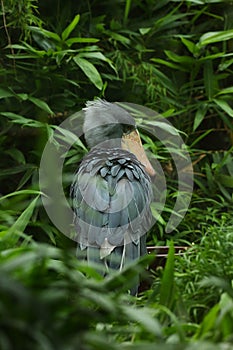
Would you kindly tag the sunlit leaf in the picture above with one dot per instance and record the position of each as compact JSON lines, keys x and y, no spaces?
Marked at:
{"x":224,"y":106}
{"x":46,"y":33}
{"x":214,"y":37}
{"x":41,"y":104}
{"x":90,"y":71}
{"x":66,"y":33}
{"x":189,"y":44}
{"x":167,"y":283}
{"x":226,"y":91}
{"x":76,"y":40}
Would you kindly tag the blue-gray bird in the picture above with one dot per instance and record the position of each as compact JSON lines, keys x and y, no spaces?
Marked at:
{"x":111,"y":191}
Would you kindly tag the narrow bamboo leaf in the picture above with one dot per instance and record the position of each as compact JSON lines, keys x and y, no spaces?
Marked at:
{"x":45,"y":33}
{"x":211,"y":56}
{"x":214,"y":37}
{"x":66,"y":33}
{"x":149,"y":323}
{"x":228,"y":90}
{"x":23,"y":220}
{"x":208,"y":322}
{"x":23,"y":96}
{"x":179,"y":59}
{"x":22,"y":192}
{"x":201,"y":137}
{"x":167,"y":283}
{"x":144,"y":31}
{"x":97,"y":55}
{"x":225,"y":191}
{"x":41,"y":104}
{"x":163,"y":126}
{"x":72,"y":41}
{"x":5,"y":93}
{"x":118,"y":37}
{"x":209,"y":79}
{"x":225,"y":180}
{"x":23,"y":57}
{"x":28,"y":174}
{"x":127,"y":9}
{"x":189,"y":44}
{"x":19,"y":119}
{"x":224,"y":106}
{"x":16,"y":46}
{"x":200,"y":115}
{"x":15,"y":170}
{"x":224,"y":65}
{"x":16,"y":155}
{"x":90,"y":71}
{"x":170,"y":64}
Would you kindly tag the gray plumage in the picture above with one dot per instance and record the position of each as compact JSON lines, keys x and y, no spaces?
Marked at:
{"x":111,"y":192}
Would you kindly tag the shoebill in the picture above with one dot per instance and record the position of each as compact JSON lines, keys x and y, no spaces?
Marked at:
{"x":111,"y":190}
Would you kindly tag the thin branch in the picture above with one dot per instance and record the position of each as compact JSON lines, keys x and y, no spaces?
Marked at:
{"x":6,"y":29}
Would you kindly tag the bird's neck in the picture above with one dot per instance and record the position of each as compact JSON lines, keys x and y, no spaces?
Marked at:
{"x":106,"y":136}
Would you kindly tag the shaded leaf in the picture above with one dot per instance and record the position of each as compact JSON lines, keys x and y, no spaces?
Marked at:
{"x":22,"y":221}
{"x":5,"y":93}
{"x":200,"y":115}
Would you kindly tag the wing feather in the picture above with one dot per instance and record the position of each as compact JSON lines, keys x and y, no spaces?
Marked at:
{"x":111,"y":196}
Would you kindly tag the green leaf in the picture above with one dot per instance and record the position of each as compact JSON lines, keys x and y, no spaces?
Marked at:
{"x":66,"y":33}
{"x":142,"y":316}
{"x":16,"y":155}
{"x":209,"y":79}
{"x":170,"y":64}
{"x":41,"y":104}
{"x":5,"y":93}
{"x":208,"y":323}
{"x":15,"y":170}
{"x":22,"y":221}
{"x":179,"y":59}
{"x":118,"y":37}
{"x":228,"y":90}
{"x":225,"y":180}
{"x":90,"y":71}
{"x":163,"y":126}
{"x":189,"y":44}
{"x":23,"y":96}
{"x":72,"y":41}
{"x":224,"y":106}
{"x":45,"y":33}
{"x":27,"y":175}
{"x":167,"y":283}
{"x":144,"y":31}
{"x":215,"y":37}
{"x":22,"y":192}
{"x":97,"y":55}
{"x":127,"y":9}
{"x":200,"y":114}
{"x":19,"y":119}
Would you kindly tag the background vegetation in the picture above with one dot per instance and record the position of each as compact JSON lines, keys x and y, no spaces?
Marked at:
{"x":174,"y":57}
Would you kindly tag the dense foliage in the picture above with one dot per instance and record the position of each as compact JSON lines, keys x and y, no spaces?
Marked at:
{"x":174,"y":57}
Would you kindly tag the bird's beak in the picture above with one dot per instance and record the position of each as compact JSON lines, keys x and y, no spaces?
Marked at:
{"x":132,"y":143}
